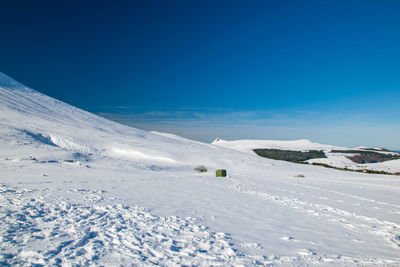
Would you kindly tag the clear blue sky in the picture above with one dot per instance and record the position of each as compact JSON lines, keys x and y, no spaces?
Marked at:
{"x":328,"y":71}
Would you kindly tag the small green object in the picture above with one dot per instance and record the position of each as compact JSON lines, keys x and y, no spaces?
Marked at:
{"x":221,"y":173}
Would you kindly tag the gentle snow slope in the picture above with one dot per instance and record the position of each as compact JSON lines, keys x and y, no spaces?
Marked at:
{"x":80,"y":189}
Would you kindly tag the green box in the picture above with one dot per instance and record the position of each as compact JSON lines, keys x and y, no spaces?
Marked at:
{"x":221,"y":173}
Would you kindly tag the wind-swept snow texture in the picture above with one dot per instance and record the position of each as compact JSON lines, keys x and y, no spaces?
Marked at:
{"x":78,"y":189}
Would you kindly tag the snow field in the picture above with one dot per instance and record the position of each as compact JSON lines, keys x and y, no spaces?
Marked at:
{"x":33,"y":231}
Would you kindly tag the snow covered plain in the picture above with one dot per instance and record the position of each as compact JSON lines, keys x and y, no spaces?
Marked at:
{"x":78,"y":189}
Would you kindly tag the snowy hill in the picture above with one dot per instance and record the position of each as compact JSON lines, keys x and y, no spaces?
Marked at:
{"x":78,"y":189}
{"x":298,"y":145}
{"x":29,"y":116}
{"x":333,"y":158}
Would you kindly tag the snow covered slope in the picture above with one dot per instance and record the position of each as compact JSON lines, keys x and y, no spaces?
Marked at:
{"x":78,"y":189}
{"x":29,"y":117}
{"x":339,"y":160}
{"x":297,"y":145}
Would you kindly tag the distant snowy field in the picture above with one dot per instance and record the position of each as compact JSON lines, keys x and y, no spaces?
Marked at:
{"x":333,"y":159}
{"x":78,"y":189}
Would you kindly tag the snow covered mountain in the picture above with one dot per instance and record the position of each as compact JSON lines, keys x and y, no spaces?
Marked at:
{"x":78,"y":189}
{"x":29,"y":116}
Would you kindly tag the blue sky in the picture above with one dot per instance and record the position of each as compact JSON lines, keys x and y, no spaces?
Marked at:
{"x":322,"y":70}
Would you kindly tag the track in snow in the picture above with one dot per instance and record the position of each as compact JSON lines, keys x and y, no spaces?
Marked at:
{"x":362,"y":224}
{"x":34,"y":231}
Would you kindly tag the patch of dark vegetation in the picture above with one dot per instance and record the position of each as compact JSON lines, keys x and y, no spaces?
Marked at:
{"x":372,"y":158}
{"x":347,"y":151}
{"x":200,"y":168}
{"x":376,"y":149}
{"x":290,"y":155}
{"x":347,"y":169}
{"x":363,"y":157}
{"x":328,"y":166}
